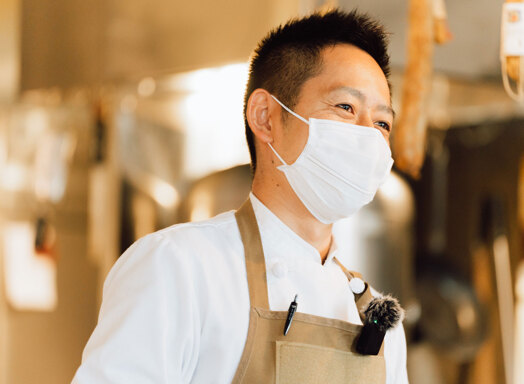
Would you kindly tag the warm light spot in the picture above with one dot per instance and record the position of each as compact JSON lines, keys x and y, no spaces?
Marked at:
{"x":146,"y":87}
{"x":393,"y":189}
{"x":164,"y":193}
{"x":202,"y":206}
{"x":14,"y":177}
{"x":30,"y":279}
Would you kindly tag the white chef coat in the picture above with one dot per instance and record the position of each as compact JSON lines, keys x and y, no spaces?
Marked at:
{"x":176,"y":304}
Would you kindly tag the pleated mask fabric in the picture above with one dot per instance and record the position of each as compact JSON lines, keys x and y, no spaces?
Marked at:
{"x":340,"y":168}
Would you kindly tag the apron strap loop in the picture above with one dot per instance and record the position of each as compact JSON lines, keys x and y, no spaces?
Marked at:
{"x":363,"y":299}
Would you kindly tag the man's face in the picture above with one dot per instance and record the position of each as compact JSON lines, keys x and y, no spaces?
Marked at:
{"x":350,"y":88}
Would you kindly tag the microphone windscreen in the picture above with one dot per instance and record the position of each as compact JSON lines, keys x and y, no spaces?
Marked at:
{"x":384,"y":311}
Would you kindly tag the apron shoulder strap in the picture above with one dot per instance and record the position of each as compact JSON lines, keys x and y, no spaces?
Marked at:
{"x":256,"y":264}
{"x":363,"y":299}
{"x":254,"y":255}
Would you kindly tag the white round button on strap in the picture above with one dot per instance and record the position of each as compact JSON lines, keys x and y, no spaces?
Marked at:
{"x":279,"y":269}
{"x":357,"y":286}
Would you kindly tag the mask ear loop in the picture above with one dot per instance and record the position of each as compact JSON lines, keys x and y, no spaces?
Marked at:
{"x":290,"y":111}
{"x":276,"y":154}
{"x":294,"y":114}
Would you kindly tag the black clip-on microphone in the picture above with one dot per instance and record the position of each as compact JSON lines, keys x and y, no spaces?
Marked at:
{"x":382,"y":313}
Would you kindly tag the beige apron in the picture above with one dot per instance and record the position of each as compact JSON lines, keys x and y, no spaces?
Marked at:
{"x":316,"y":349}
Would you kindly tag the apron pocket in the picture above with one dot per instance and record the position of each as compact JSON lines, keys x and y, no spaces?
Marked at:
{"x":298,"y":363}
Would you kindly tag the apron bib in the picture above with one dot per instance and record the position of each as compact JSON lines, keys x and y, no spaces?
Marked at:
{"x":316,"y":350}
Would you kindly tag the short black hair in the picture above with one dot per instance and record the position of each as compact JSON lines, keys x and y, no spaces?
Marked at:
{"x":291,"y":54}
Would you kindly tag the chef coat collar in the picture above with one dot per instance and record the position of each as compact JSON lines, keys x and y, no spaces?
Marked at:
{"x":281,"y":239}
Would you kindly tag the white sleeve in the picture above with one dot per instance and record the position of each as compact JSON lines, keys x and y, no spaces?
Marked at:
{"x":395,"y":354}
{"x":148,"y":327}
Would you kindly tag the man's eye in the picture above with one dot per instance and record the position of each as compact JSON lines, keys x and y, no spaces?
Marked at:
{"x":346,"y":107}
{"x":384,"y":125}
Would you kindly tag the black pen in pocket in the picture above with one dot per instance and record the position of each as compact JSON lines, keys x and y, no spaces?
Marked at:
{"x":290,"y":313}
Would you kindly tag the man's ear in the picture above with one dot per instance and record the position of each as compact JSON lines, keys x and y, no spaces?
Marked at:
{"x":258,"y":115}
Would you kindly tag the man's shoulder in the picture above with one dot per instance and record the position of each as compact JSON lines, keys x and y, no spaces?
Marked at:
{"x":181,"y":247}
{"x":218,"y":227}
{"x":197,"y":241}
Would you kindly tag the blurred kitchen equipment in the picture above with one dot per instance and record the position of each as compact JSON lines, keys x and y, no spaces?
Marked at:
{"x":103,"y":190}
{"x":512,"y":48}
{"x":495,"y":233}
{"x":165,"y":141}
{"x":377,"y":241}
{"x":427,"y":24}
{"x":46,"y":303}
{"x":519,"y":334}
{"x":452,"y":318}
{"x":470,"y":181}
{"x":37,"y":147}
{"x":218,"y":192}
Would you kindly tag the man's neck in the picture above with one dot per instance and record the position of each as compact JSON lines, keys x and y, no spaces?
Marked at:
{"x":280,"y":199}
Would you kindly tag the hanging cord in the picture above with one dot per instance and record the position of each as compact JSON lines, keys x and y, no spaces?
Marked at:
{"x":519,"y":94}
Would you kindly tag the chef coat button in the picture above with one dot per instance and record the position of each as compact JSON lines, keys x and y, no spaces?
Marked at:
{"x":357,"y":286}
{"x":279,"y":269}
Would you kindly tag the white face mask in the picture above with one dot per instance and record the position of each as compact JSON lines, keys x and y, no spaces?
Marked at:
{"x":339,"y":170}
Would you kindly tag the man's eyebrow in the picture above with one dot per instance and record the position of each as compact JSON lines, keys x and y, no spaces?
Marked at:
{"x":359,"y":95}
{"x":386,"y":108}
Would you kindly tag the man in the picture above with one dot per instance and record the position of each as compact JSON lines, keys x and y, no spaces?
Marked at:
{"x":207,"y":302}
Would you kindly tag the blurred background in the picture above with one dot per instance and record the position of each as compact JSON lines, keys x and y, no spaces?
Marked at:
{"x":121,"y":117}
